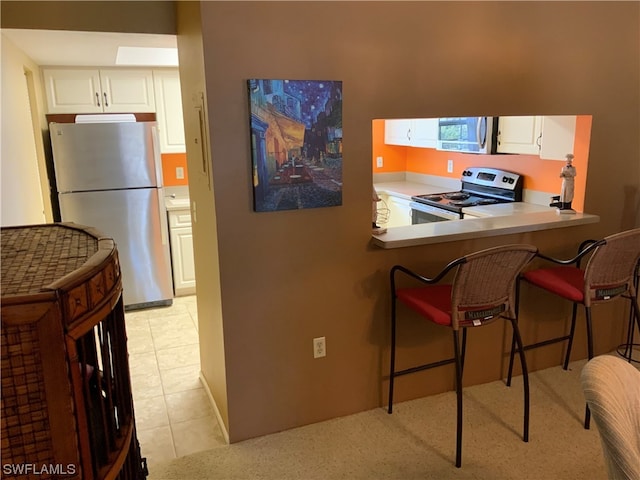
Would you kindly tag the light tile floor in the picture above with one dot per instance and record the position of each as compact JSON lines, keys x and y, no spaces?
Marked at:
{"x":173,"y":414}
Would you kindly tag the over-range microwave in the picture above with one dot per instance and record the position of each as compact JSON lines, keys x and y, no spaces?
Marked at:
{"x":467,"y":134}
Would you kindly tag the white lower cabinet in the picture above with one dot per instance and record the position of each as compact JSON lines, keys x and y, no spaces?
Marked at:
{"x":399,"y":210}
{"x":184,"y":275}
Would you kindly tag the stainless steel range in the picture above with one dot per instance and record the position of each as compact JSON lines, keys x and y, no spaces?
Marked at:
{"x":480,"y":186}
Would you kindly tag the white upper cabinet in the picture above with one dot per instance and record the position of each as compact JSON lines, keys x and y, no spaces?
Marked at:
{"x":550,"y":137}
{"x":90,"y":90}
{"x":169,"y":111}
{"x":397,"y":132}
{"x":558,"y":136}
{"x":425,"y":132}
{"x":519,"y":135}
{"x":419,"y":132}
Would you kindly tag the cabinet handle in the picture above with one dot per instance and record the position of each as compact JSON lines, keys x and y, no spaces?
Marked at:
{"x":106,"y":103}
{"x":409,"y":134}
{"x":539,"y":141}
{"x":97,"y":99}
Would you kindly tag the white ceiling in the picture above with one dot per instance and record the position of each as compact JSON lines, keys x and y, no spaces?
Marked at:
{"x":61,"y":47}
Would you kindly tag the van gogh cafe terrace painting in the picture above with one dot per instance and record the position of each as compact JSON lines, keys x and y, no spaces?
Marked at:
{"x":296,"y":139}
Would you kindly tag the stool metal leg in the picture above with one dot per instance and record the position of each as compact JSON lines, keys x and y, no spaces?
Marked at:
{"x":571,"y":332}
{"x":513,"y":336}
{"x":393,"y":352}
{"x":456,"y":347}
{"x":464,"y":350}
{"x":587,"y":311}
{"x":511,"y":355}
{"x":634,"y":317}
{"x":525,"y":378}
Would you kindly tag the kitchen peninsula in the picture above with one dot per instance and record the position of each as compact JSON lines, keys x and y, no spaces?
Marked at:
{"x":505,"y":219}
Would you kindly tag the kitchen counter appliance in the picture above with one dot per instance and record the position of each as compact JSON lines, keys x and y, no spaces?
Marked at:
{"x":109,"y":176}
{"x":480,"y":186}
{"x":467,"y":134}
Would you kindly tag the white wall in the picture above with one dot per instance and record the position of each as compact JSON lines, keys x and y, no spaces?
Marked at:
{"x":21,"y":200}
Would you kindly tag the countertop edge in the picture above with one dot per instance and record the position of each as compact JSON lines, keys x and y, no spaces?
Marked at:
{"x":440,"y":232}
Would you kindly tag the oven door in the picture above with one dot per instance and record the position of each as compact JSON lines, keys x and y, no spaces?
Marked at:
{"x":421,"y":213}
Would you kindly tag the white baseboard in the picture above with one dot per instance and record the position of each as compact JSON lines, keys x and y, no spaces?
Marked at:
{"x":223,"y":427}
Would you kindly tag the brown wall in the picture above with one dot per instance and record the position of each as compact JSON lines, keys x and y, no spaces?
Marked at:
{"x":270,"y":282}
{"x":203,"y":216}
{"x":289,"y":276}
{"x":90,"y":16}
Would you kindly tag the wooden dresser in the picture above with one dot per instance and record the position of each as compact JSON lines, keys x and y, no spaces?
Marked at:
{"x":67,"y":410}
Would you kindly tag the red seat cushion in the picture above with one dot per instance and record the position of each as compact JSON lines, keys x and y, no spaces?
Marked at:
{"x":432,"y":302}
{"x":567,"y":282}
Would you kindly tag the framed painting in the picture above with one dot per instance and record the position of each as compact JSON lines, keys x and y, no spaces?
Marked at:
{"x":296,"y":143}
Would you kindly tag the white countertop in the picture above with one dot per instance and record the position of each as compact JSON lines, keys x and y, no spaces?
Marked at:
{"x":501,"y":219}
{"x":454,"y":230}
{"x":501,"y":209}
{"x":409,"y":189}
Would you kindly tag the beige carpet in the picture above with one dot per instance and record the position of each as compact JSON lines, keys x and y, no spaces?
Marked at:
{"x":418,"y":441}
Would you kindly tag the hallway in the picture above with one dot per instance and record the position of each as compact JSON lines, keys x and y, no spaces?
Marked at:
{"x":173,"y":414}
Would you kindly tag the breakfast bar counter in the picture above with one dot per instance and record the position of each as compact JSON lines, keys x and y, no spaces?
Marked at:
{"x":466,"y":229}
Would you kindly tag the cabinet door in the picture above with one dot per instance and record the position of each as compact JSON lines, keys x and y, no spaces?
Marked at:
{"x":127,"y":90}
{"x":73,"y":90}
{"x":169,"y":110}
{"x":424,"y":132}
{"x":184,"y":276}
{"x":519,"y":135}
{"x":397,"y":132}
{"x":558,"y":136}
{"x":399,"y":214}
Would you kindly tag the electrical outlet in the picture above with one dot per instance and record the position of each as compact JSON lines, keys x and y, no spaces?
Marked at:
{"x":179,"y":173}
{"x":379,"y":162}
{"x":450,"y":166}
{"x":319,"y":347}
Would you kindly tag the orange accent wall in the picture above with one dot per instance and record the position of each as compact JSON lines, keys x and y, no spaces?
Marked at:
{"x":170,"y":161}
{"x":540,"y":175}
{"x":395,"y":157}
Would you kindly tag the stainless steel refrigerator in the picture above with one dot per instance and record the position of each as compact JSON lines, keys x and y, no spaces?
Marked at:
{"x":109,"y":176}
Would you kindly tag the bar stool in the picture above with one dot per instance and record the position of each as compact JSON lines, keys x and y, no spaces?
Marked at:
{"x":483,"y":290}
{"x":608,"y":275}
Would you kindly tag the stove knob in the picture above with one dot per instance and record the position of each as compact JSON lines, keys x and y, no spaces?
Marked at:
{"x":505,"y":179}
{"x":511,"y":180}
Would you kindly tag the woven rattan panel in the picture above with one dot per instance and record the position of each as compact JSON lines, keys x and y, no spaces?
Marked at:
{"x":25,"y":425}
{"x":33,"y":257}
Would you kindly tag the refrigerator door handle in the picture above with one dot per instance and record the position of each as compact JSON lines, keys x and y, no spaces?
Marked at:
{"x":157,"y":156}
{"x":164,"y":222}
